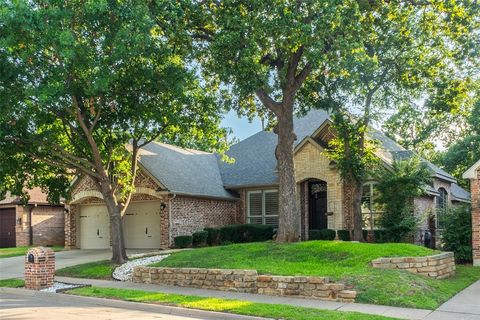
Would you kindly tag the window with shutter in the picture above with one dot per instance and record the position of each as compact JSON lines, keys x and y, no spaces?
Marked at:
{"x":262,"y":207}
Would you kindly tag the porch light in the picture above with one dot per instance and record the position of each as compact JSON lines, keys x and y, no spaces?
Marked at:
{"x":162,"y":206}
{"x":19,"y":221}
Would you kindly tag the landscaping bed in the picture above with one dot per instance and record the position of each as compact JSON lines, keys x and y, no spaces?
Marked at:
{"x":342,"y":261}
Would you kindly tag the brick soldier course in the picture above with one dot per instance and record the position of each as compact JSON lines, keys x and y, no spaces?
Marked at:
{"x":474,"y":175}
{"x":248,"y":281}
{"x":39,"y":268}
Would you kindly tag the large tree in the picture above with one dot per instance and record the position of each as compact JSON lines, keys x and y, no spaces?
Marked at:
{"x":406,"y":51}
{"x":264,"y":53}
{"x":85,"y":85}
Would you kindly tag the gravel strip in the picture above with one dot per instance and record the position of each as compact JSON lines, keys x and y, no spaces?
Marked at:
{"x":61,"y":286}
{"x":125,"y":271}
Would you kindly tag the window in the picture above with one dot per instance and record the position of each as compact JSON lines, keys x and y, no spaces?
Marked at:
{"x":442,"y":204}
{"x":262,"y":207}
{"x":371,"y":208}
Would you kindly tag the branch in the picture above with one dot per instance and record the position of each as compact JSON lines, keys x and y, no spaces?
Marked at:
{"x":302,"y":76}
{"x":293,"y":64}
{"x":267,"y":101}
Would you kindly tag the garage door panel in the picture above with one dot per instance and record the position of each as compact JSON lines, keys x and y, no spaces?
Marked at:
{"x":94,"y":227}
{"x":7,"y":228}
{"x":142,"y":225}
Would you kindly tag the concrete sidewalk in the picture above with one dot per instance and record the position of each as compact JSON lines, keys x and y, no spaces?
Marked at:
{"x":402,"y":313}
{"x":464,"y":306}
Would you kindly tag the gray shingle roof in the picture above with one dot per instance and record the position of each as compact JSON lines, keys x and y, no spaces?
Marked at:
{"x":184,"y":171}
{"x":459,"y":193}
{"x":255,"y":159}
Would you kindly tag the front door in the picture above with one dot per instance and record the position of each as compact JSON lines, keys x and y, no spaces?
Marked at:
{"x":318,"y":205}
{"x":7,"y":228}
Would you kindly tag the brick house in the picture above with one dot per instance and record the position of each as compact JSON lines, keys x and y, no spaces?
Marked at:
{"x":34,"y":223}
{"x":473,"y":174}
{"x":179,"y":191}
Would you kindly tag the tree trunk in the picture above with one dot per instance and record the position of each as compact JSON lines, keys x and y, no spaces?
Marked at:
{"x":289,"y":215}
{"x":119,"y":255}
{"x":357,"y":211}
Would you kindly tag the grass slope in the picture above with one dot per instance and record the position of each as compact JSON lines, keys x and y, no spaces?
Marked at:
{"x":20,"y":251}
{"x":345,"y":261}
{"x":224,"y":305}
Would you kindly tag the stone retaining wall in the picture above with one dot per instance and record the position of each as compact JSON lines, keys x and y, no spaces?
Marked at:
{"x":245,"y":281}
{"x":439,"y":266}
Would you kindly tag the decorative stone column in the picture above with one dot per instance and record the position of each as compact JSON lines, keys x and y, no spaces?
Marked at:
{"x":474,"y":175}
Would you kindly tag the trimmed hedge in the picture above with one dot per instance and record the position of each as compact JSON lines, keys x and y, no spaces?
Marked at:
{"x":239,"y":233}
{"x":324,"y":234}
{"x":199,"y":238}
{"x":343,"y":235}
{"x":183,"y":241}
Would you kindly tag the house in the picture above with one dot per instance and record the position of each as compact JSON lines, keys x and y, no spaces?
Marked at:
{"x":35,"y":223}
{"x":179,"y":191}
{"x":473,"y":174}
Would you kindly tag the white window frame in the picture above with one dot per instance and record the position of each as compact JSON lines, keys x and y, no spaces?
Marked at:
{"x":373,"y":214}
{"x":263,"y":215}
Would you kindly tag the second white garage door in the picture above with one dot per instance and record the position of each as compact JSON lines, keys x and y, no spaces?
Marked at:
{"x":142,"y":225}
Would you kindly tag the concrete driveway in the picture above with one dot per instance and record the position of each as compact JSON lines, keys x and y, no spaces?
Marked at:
{"x":14,"y":267}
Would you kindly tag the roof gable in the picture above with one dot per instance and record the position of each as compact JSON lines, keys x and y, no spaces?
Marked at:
{"x":471,"y":173}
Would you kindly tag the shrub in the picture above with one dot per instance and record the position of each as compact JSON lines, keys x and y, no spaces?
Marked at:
{"x":183,"y":241}
{"x":324,"y":234}
{"x":213,"y":237}
{"x":380,"y":236}
{"x":199,"y":238}
{"x":457,"y":233}
{"x":343,"y":235}
{"x":239,"y":233}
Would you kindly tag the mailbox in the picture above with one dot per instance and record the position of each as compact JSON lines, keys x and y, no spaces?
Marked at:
{"x":39,"y":268}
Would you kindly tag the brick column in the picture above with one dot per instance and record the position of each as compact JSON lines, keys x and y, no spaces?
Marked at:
{"x":475,"y":194}
{"x":70,"y":227}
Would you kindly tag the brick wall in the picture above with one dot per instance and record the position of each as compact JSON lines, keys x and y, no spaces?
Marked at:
{"x":48,"y":225}
{"x":39,"y":273}
{"x":475,"y":194}
{"x":439,"y":266}
{"x":189,"y":214}
{"x":246,"y":281}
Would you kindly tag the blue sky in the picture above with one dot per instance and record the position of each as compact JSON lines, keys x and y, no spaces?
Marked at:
{"x":241,"y":127}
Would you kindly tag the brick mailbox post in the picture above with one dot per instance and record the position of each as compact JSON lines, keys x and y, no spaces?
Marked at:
{"x":39,"y":268}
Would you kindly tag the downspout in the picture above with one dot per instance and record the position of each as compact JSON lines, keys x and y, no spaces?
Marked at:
{"x":30,"y":227}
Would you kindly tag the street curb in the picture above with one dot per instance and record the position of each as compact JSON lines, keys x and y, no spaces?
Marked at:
{"x":139,"y":306}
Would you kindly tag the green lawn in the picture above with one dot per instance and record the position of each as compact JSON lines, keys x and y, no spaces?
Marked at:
{"x":20,"y":251}
{"x":344,"y":261}
{"x":12,"y":283}
{"x":224,"y":305}
{"x":93,"y":270}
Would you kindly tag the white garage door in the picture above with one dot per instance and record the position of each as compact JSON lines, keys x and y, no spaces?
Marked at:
{"x":142,"y":225}
{"x":94,"y":227}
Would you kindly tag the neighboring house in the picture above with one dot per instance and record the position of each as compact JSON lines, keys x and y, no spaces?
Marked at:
{"x":179,"y":191}
{"x":35,"y":223}
{"x":473,"y":174}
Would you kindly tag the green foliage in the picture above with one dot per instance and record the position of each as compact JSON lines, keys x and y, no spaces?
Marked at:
{"x":398,"y":187}
{"x":343,"y":235}
{"x":457,"y":233}
{"x":12,"y":283}
{"x":81,"y":81}
{"x":20,"y":251}
{"x":239,"y":233}
{"x":183,"y":241}
{"x":199,"y":238}
{"x":323,"y":234}
{"x":92,"y":270}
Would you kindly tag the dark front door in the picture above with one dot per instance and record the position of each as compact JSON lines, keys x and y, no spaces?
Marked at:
{"x":318,"y":205}
{"x":7,"y":228}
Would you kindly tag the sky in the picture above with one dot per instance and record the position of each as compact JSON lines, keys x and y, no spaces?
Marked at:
{"x":241,"y":127}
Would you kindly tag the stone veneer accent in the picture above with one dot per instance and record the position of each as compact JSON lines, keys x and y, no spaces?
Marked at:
{"x":439,"y":266}
{"x":245,"y":281}
{"x":40,"y":273}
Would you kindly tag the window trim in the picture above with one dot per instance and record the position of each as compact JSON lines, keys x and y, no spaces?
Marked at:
{"x":263,"y":214}
{"x":373,"y":214}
